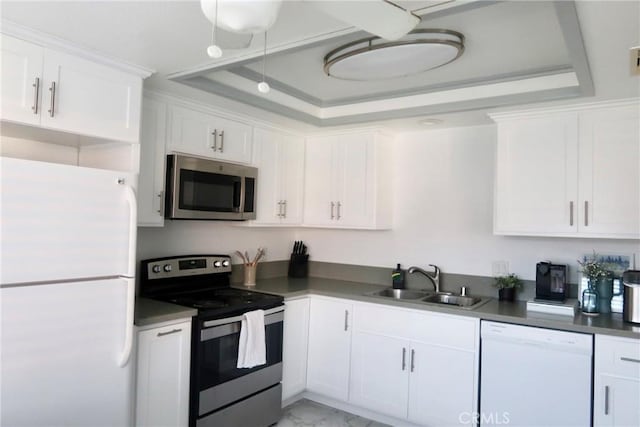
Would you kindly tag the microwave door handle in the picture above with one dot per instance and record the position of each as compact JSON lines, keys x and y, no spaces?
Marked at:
{"x":243,"y":187}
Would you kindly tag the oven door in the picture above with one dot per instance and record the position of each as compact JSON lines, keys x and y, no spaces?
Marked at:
{"x":208,"y":189}
{"x":218,"y":382}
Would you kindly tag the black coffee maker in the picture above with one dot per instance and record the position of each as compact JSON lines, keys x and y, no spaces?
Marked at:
{"x":551,"y":282}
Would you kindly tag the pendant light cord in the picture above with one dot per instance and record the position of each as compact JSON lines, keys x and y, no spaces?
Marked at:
{"x":215,"y":25}
{"x":264,"y":56}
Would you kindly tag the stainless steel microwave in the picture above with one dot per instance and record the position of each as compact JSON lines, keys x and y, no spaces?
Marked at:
{"x":206,"y":189}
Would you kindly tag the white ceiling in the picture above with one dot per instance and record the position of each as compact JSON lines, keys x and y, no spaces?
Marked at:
{"x":507,"y":43}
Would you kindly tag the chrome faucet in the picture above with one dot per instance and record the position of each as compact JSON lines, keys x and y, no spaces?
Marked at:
{"x":434,"y":277}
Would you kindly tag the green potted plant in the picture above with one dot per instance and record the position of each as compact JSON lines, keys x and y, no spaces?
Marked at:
{"x":593,"y":269}
{"x":507,"y":286}
{"x":597,"y":297}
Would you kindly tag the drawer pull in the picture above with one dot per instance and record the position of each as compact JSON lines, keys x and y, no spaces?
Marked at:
{"x":173,"y":331}
{"x":629,"y":359}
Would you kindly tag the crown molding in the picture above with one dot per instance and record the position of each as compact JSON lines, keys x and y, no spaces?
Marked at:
{"x":56,"y":43}
{"x":509,"y":115}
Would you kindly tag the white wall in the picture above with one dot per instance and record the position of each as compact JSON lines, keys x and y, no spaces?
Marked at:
{"x":213,"y":237}
{"x":443,"y":198}
{"x":443,"y":215}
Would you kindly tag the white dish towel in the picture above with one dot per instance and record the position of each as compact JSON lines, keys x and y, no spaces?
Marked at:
{"x":252,"y":349}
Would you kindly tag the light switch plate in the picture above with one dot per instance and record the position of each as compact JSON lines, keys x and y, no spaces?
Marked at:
{"x":634,"y":58}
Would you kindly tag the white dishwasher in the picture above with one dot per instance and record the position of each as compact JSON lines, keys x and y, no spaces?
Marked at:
{"x":534,"y":377}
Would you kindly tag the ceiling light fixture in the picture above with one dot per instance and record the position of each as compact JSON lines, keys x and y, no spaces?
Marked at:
{"x":430,"y":122}
{"x":374,"y":58}
{"x":242,"y":16}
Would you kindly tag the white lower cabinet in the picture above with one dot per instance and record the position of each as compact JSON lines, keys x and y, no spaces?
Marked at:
{"x":329,"y":347}
{"x":162,"y":396}
{"x":379,"y":373}
{"x":294,"y":353}
{"x":414,"y":366}
{"x":442,"y":386}
{"x":616,"y":382}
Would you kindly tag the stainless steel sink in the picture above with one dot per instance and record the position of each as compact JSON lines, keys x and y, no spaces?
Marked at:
{"x":444,"y":298}
{"x":400,"y":294}
{"x":455,"y":300}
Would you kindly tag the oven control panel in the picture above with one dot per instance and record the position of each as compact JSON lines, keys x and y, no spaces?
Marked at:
{"x":188,"y":266}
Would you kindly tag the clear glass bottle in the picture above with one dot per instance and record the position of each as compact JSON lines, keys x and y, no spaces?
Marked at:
{"x":590,"y":299}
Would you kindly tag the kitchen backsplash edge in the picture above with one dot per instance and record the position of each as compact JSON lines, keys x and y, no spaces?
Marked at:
{"x":450,"y":282}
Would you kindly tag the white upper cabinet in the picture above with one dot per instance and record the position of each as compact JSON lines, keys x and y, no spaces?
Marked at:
{"x":59,"y":91}
{"x":536,"y":175}
{"x":279,"y":158}
{"x":571,"y":174}
{"x":609,"y":190}
{"x":348,"y":181}
{"x":202,"y":133}
{"x":151,"y":180}
{"x":21,"y":80}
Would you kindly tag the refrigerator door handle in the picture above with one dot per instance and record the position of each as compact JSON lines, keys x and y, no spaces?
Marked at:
{"x":128,"y":336}
{"x":131,"y":269}
{"x":130,"y":195}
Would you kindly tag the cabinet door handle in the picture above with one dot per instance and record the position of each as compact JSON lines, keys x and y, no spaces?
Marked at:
{"x":332,"y":206}
{"x":221,"y":149}
{"x":413,"y":357}
{"x":36,"y":91}
{"x":346,"y":320}
{"x":586,"y":213}
{"x":52,"y":108}
{"x":338,"y":206}
{"x":404,"y":356}
{"x":571,"y":213}
{"x":629,"y":359}
{"x":160,"y":194}
{"x":173,"y":331}
{"x":279,"y":208}
{"x":606,"y":400}
{"x":214,"y":145}
{"x":284,"y":204}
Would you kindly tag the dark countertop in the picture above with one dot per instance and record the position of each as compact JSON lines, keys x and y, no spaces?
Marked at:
{"x":149,"y":312}
{"x":508,"y":312}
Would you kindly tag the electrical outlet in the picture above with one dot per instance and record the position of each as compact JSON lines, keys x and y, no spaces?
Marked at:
{"x":500,"y":268}
{"x":634,"y":57}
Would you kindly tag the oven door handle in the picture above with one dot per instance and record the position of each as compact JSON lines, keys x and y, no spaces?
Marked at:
{"x":219,"y":322}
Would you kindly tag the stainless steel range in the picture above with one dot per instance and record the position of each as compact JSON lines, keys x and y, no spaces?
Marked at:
{"x":221,"y":394}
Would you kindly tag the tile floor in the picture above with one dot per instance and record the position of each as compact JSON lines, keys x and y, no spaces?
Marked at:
{"x":305,"y":413}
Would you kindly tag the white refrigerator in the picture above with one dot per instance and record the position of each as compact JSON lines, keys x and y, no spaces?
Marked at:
{"x":68,"y":238}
